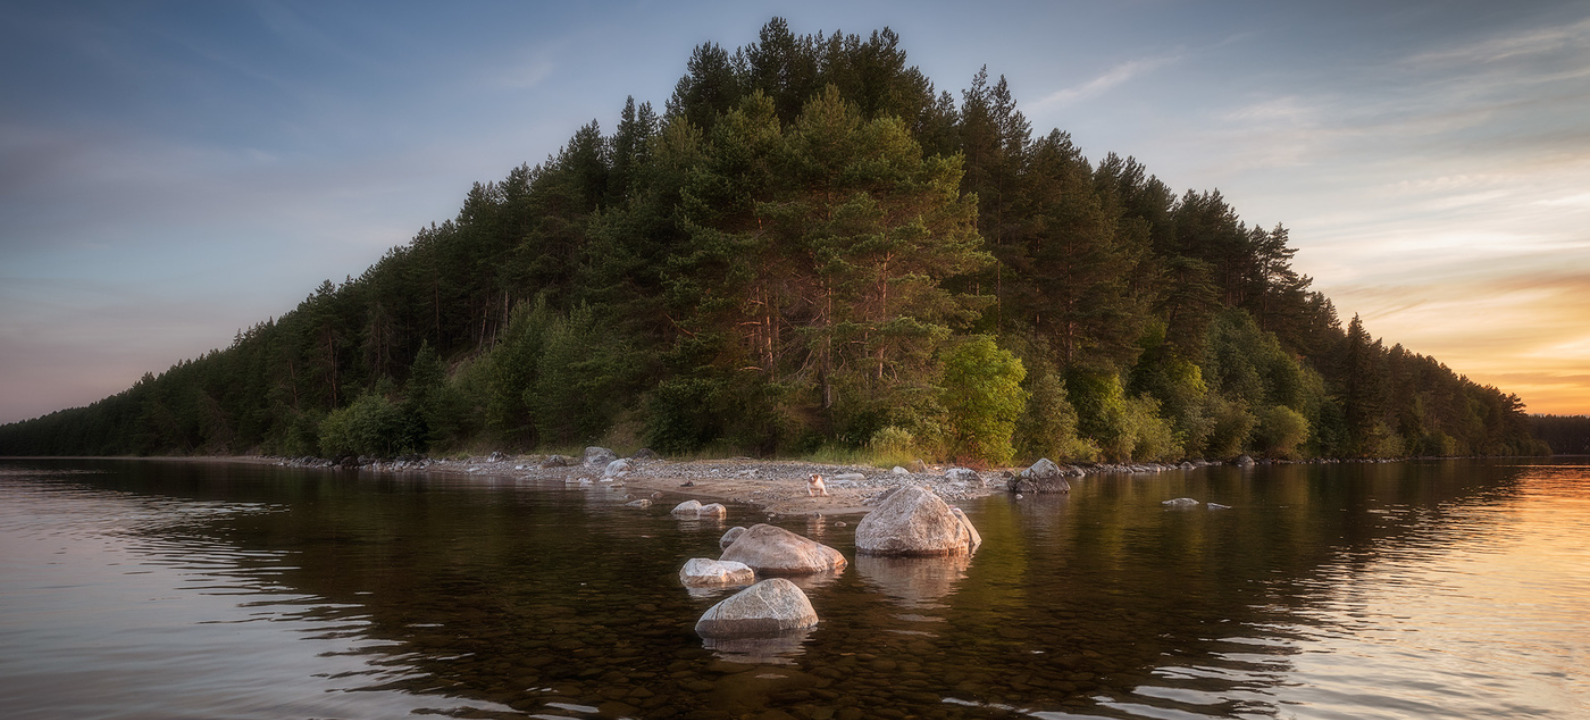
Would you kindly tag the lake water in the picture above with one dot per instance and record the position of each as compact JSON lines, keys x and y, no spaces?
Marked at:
{"x":148,"y":589}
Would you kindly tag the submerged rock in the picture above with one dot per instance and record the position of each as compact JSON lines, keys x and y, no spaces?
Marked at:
{"x":772,"y":550}
{"x":706,"y":572}
{"x":914,"y":521}
{"x":1180,"y":502}
{"x":769,"y":608}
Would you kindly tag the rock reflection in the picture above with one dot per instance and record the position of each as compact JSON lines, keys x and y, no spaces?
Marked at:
{"x":780,"y":650}
{"x":914,"y":582}
{"x":814,"y":581}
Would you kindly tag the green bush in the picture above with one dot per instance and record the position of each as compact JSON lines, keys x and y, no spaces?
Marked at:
{"x":1153,"y":438}
{"x":982,"y":395}
{"x":1279,"y":431}
{"x":1049,"y":426}
{"x":372,"y":425}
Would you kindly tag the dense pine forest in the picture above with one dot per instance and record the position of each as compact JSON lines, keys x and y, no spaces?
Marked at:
{"x":811,"y":248}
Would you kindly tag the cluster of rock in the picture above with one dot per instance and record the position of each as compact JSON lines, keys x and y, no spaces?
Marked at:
{"x":694,"y":510}
{"x":911,"y":522}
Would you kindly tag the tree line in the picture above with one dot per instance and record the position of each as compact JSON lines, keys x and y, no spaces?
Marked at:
{"x":812,"y":247}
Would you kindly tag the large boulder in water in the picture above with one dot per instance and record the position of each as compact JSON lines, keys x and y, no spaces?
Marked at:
{"x":772,"y":550}
{"x":913,"y":521}
{"x":769,"y":608}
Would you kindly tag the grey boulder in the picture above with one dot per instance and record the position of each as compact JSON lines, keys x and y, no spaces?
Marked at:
{"x":914,"y":521}
{"x":772,"y":550}
{"x":769,"y":608}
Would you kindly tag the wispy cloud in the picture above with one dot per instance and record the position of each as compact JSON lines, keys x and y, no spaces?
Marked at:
{"x":1114,"y":77}
{"x":1534,"y":42}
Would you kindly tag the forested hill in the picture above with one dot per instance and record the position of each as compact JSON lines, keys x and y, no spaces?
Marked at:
{"x":812,"y":247}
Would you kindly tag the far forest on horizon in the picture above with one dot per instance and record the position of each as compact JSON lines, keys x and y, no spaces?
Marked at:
{"x":811,"y":250}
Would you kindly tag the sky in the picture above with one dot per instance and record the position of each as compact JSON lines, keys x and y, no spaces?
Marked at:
{"x":172,"y":172}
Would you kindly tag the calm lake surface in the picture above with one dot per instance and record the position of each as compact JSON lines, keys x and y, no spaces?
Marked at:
{"x":149,"y":589}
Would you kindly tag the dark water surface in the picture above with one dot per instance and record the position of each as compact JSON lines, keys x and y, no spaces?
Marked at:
{"x":148,"y":589}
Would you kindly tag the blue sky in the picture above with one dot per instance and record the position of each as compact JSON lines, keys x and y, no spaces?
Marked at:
{"x":171,"y":172}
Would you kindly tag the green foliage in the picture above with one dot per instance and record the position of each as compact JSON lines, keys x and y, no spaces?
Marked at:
{"x":372,"y":425}
{"x":1102,"y":415}
{"x":1280,"y":431}
{"x":1230,"y":426}
{"x":892,"y":446}
{"x":1048,"y":428}
{"x":682,"y":418}
{"x":802,"y":251}
{"x":1152,"y":437}
{"x":983,"y":398}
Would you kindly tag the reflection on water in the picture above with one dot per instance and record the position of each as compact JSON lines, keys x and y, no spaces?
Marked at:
{"x":914,"y":582}
{"x":176,"y":590}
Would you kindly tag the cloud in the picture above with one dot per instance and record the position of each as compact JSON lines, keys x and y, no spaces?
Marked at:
{"x":1116,"y":76}
{"x":1530,"y":43}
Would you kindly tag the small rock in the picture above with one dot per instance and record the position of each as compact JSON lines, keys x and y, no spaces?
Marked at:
{"x":1217,"y":506}
{"x":687,"y":509}
{"x":1180,"y":502}
{"x":730,"y":536}
{"x":641,"y":503}
{"x":1041,"y":470}
{"x":706,"y":572}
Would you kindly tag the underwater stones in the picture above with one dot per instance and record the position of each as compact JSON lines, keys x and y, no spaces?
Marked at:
{"x":914,"y":521}
{"x":706,"y":572}
{"x":1182,"y":502}
{"x":769,"y":608}
{"x":772,"y":550}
